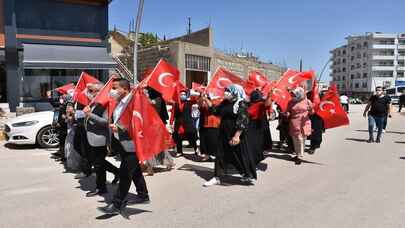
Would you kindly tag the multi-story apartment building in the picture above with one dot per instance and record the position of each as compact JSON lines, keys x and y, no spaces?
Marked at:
{"x":367,"y":61}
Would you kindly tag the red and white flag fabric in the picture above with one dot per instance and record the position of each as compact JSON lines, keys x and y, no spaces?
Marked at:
{"x":198,"y":87}
{"x":221,"y":79}
{"x":178,"y":88}
{"x":249,"y":86}
{"x":66,"y":88}
{"x":258,"y":79}
{"x":163,"y":79}
{"x":103,"y":97}
{"x":316,"y":99}
{"x":145,"y":127}
{"x":292,"y":79}
{"x":331,"y":111}
{"x":281,"y":96}
{"x":79,"y":94}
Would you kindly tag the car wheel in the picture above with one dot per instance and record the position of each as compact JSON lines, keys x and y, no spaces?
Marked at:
{"x":48,"y":137}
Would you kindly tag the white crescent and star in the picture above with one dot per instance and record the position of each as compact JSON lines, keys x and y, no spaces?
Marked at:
{"x":259,"y":79}
{"x":321,"y":106}
{"x":219,"y":85}
{"x":162,"y":77}
{"x":292,"y":79}
{"x":139,"y":116}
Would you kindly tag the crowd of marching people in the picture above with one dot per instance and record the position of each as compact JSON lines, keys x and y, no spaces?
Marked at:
{"x":225,"y":122}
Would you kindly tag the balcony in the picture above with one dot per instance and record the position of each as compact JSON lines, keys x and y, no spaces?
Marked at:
{"x":401,"y":68}
{"x":401,"y":46}
{"x":383,"y":68}
{"x":383,"y":57}
{"x":384,"y":46}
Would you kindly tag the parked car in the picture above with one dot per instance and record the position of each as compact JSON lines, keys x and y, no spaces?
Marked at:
{"x":31,"y":129}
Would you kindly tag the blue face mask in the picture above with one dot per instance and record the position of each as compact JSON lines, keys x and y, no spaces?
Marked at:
{"x":183,"y":97}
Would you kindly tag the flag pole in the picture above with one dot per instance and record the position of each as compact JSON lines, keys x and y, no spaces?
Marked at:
{"x":137,"y":27}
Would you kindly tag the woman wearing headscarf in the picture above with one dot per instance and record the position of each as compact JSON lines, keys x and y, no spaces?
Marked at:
{"x":233,"y":148}
{"x":164,"y":157}
{"x":258,"y":117}
{"x":184,"y":128}
{"x":298,"y":112}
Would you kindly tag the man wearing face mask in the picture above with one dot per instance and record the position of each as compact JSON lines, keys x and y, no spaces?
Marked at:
{"x":59,"y":103}
{"x":121,"y":142}
{"x":378,"y":107}
{"x":98,"y":135}
{"x":183,"y":124}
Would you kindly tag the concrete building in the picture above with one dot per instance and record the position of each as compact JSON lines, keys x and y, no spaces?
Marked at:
{"x":197,"y":59}
{"x":48,"y":43}
{"x":367,"y":61}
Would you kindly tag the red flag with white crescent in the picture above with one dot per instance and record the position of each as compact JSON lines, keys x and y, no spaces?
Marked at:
{"x":331,"y":111}
{"x":79,"y":94}
{"x":103,"y":97}
{"x":223,"y":78}
{"x":315,"y":98}
{"x":292,"y":79}
{"x":65,"y":89}
{"x":258,"y":79}
{"x":146,"y":129}
{"x":163,"y":79}
{"x":198,"y":87}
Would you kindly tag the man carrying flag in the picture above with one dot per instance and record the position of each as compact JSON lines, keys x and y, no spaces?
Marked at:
{"x":122,"y":143}
{"x":317,"y":124}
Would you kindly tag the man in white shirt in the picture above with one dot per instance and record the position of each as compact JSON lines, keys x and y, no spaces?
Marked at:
{"x":344,"y":100}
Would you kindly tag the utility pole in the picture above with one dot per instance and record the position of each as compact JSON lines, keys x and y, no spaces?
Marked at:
{"x":137,"y":27}
{"x":300,"y":65}
{"x":189,"y":26}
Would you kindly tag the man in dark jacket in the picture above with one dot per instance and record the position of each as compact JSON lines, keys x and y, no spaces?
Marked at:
{"x":401,"y":101}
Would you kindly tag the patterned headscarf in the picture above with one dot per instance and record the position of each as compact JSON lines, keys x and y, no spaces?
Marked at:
{"x":237,"y":91}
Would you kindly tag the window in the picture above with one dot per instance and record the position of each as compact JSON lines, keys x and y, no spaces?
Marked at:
{"x":358,"y":55}
{"x":364,"y":85}
{"x":358,"y":75}
{"x":196,"y":62}
{"x":344,"y":78}
{"x":343,"y":60}
{"x":365,"y":44}
{"x":358,"y":46}
{"x":352,"y":58}
{"x":364,"y":65}
{"x":358,"y":65}
{"x":357,"y":85}
{"x":364,"y":75}
{"x":352,"y":67}
{"x":352,"y":48}
{"x":352,"y":76}
{"x":364,"y":55}
{"x":344,"y":69}
{"x":344,"y":52}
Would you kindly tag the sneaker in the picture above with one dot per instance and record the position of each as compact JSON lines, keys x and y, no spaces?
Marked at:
{"x":383,"y":131}
{"x":212,"y":182}
{"x":139,"y":200}
{"x":378,"y":141}
{"x":97,"y":192}
{"x":246,"y":180}
{"x":311,"y":151}
{"x":370,"y":140}
{"x":297,"y":160}
{"x":110,"y":210}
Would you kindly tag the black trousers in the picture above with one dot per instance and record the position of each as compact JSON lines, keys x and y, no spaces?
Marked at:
{"x":400,"y":106}
{"x":190,"y":137}
{"x":130,"y":170}
{"x":101,"y":166}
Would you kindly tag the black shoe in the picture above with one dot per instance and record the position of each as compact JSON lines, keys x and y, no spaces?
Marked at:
{"x":311,"y":151}
{"x":110,"y":209}
{"x":297,"y":160}
{"x":378,"y":141}
{"x":370,"y":140}
{"x":97,"y":192}
{"x":139,"y":200}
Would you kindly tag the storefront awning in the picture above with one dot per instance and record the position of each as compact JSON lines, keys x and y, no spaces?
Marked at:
{"x":40,"y":56}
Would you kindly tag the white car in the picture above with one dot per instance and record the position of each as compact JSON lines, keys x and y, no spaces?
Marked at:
{"x":34,"y":128}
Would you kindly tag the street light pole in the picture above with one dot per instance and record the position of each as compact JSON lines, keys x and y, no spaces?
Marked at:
{"x":137,"y":27}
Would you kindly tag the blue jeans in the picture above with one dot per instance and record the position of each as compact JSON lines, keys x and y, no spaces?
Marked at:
{"x":375,"y":121}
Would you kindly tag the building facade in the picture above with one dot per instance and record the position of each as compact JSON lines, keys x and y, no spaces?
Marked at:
{"x":364,"y":62}
{"x":48,"y":43}
{"x":197,"y":59}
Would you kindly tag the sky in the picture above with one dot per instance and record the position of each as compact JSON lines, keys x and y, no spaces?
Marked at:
{"x":278,"y":31}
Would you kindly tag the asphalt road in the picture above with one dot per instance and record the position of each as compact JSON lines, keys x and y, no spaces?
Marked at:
{"x":347,"y":183}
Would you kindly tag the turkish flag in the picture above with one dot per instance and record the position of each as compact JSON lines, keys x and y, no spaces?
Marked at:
{"x":163,"y":79}
{"x":258,"y":79}
{"x":315,"y":95}
{"x":333,"y":88}
{"x":198,"y":87}
{"x":103,"y":97}
{"x":145,"y":127}
{"x":223,"y":78}
{"x":249,"y":86}
{"x":65,"y":89}
{"x":79,"y":94}
{"x":281,"y":96}
{"x":292,"y":79}
{"x":331,"y":111}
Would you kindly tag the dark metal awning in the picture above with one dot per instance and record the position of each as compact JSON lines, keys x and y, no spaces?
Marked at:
{"x":40,"y":56}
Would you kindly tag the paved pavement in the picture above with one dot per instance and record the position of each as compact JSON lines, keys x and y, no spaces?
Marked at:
{"x":348,"y":183}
